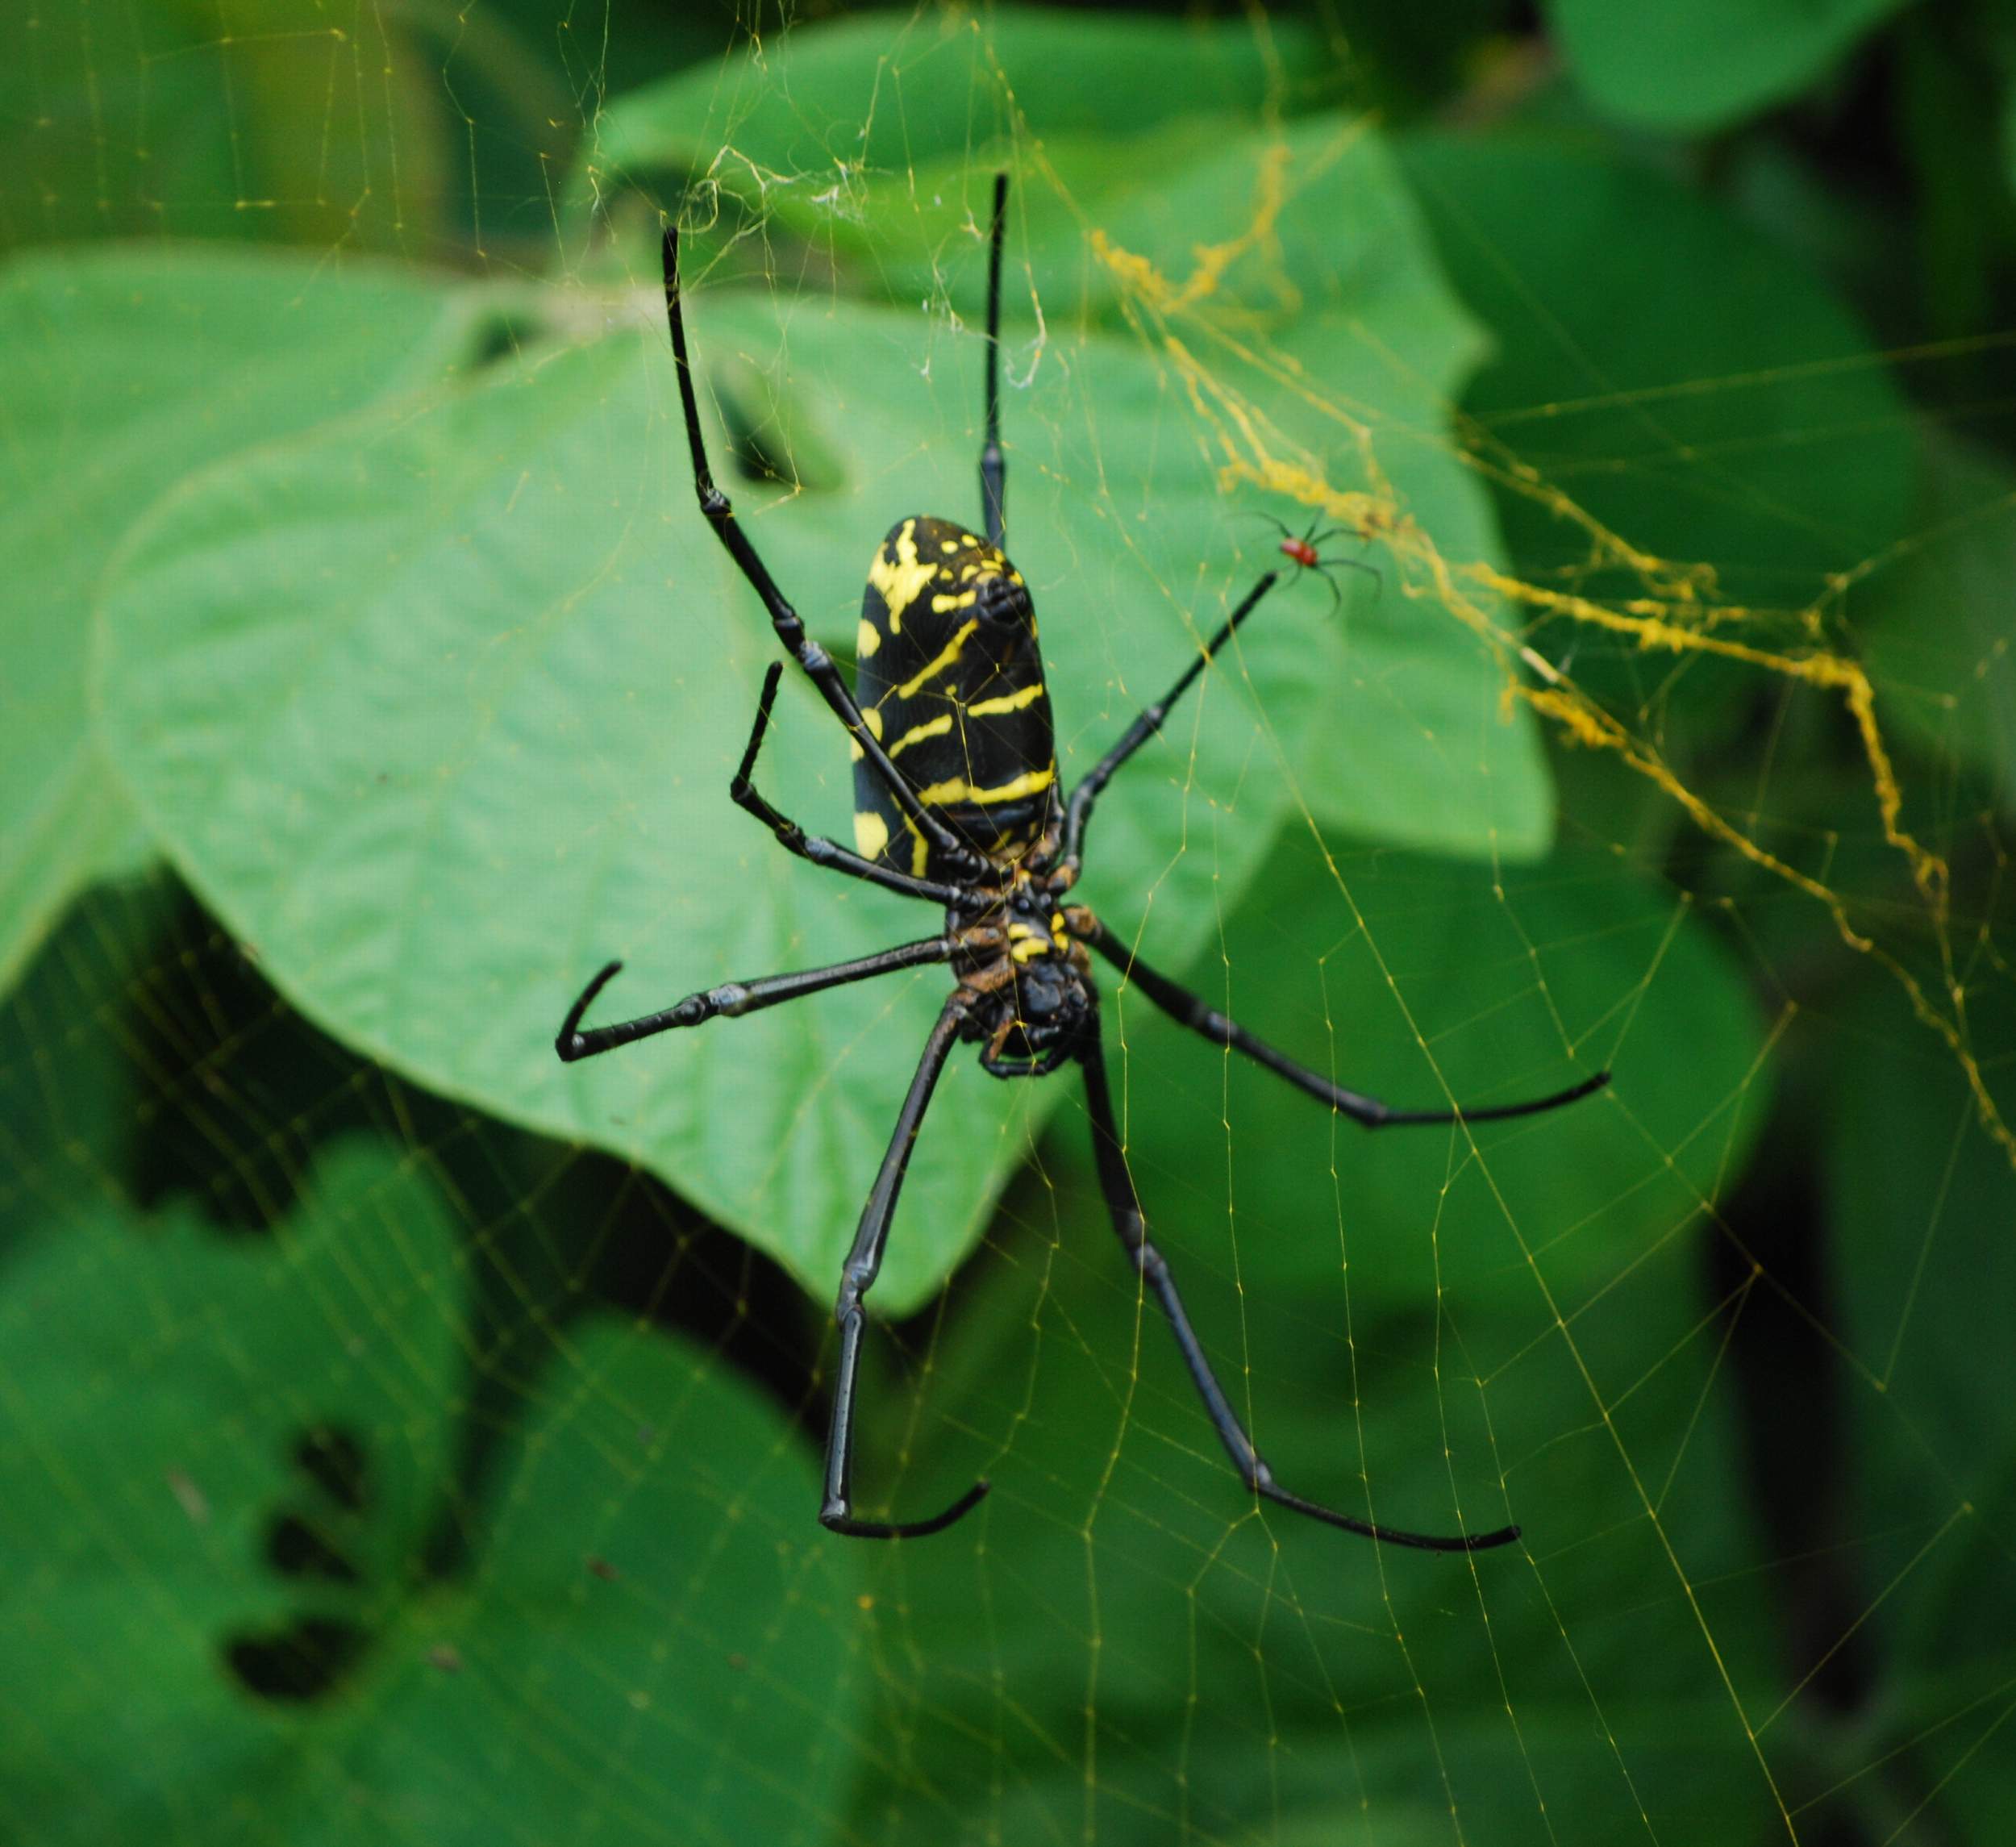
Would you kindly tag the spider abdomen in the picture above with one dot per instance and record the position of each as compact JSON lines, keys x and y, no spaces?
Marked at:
{"x":949,"y":676}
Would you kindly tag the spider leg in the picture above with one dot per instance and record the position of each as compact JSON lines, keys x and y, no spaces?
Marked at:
{"x":821,"y":851}
{"x":994,"y":466}
{"x":733,"y":999}
{"x":1124,"y":1208}
{"x":864,"y":1262}
{"x":1079,"y":811}
{"x":790,"y":628}
{"x":1182,"y":1005}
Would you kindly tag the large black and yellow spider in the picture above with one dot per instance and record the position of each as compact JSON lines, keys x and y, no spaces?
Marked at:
{"x":957,"y":803}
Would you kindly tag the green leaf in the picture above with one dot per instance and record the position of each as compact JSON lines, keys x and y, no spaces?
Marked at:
{"x":1520,"y":1333}
{"x":650,"y":1599}
{"x":1427,"y":984}
{"x":1645,"y":340}
{"x":123,"y":372}
{"x":792,"y":126}
{"x":1669,"y":380}
{"x":1704,"y":64}
{"x":163,"y":1389}
{"x":438,"y":711}
{"x":654,"y":1604}
{"x":1935,"y":622}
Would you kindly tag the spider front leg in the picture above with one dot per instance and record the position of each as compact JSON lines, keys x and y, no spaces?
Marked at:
{"x":1079,"y":812}
{"x":993,"y":465}
{"x":863,"y":1263}
{"x":1124,"y":1208}
{"x":790,"y":628}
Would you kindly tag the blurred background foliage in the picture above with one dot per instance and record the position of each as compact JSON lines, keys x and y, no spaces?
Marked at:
{"x":406,"y":1438}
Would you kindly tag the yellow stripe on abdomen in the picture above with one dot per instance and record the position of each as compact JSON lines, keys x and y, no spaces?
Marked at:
{"x":947,"y":795}
{"x":931,"y":727}
{"x":1007,"y":703}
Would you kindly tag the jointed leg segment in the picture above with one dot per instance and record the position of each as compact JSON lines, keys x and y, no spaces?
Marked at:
{"x":863,"y":1263}
{"x":820,"y":851}
{"x":734,"y":998}
{"x":790,"y":628}
{"x":1150,"y":721}
{"x":994,"y":466}
{"x":1125,"y":1209}
{"x":1182,"y":1005}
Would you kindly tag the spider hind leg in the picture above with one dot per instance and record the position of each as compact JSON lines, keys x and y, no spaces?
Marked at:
{"x":857,"y":1277}
{"x":1124,"y":1208}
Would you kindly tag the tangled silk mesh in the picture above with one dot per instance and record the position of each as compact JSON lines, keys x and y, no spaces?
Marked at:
{"x":565,"y":1560}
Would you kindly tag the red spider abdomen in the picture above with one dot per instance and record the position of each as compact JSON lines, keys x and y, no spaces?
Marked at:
{"x":1300,"y":550}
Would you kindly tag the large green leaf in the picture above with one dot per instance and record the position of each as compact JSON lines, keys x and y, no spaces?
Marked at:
{"x":1292,"y":261}
{"x":215,"y":1445}
{"x":122,"y":373}
{"x":1702,"y":64}
{"x":657,"y":1634}
{"x":438,"y":711}
{"x":1520,"y":1332}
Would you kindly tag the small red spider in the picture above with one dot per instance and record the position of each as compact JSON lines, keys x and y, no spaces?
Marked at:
{"x":1303,"y":552}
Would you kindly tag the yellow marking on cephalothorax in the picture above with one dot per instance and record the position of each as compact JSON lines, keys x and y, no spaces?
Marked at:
{"x":866,"y":638}
{"x":871,"y":833}
{"x":1007,"y":703}
{"x":1026,"y":944}
{"x":945,"y":657}
{"x":931,"y":728}
{"x":900,"y":579}
{"x":941,"y":795}
{"x":1057,"y":922}
{"x":940,"y":604}
{"x":949,"y":544}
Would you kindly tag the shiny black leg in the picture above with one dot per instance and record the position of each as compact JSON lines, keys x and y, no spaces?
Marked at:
{"x":863,"y":1262}
{"x":1180,"y":1004}
{"x":1125,"y":1209}
{"x":733,"y":999}
{"x":1079,"y":812}
{"x":790,"y":629}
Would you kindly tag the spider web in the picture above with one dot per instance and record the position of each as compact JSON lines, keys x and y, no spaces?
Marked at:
{"x":408,"y":1440}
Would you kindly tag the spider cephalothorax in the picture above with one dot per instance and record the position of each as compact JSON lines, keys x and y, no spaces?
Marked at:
{"x":1025,"y":965}
{"x":956,"y":802}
